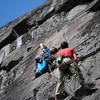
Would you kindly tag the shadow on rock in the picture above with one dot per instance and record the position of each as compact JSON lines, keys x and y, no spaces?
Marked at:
{"x":51,"y":98}
{"x":11,"y":64}
{"x":91,"y":85}
{"x":81,"y":92}
{"x":91,"y":91}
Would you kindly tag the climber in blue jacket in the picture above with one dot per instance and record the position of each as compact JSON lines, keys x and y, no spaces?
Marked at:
{"x":41,"y":66}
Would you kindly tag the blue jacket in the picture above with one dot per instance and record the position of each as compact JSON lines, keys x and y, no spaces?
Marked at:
{"x":47,"y":52}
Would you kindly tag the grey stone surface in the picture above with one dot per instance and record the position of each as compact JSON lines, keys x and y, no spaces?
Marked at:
{"x":75,"y":11}
{"x":2,"y":55}
{"x":48,"y":24}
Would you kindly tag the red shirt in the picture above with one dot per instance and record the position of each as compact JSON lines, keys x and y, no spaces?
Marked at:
{"x":67,"y":52}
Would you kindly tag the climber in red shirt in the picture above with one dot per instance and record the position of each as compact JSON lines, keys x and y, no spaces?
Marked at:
{"x":67,"y":62}
{"x":67,"y":52}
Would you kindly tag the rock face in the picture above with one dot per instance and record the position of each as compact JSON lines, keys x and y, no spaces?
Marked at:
{"x":78,"y":22}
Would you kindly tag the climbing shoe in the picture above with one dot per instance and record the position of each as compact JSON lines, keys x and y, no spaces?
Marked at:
{"x":37,"y":74}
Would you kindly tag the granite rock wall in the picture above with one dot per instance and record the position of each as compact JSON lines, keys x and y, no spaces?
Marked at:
{"x":51,"y":23}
